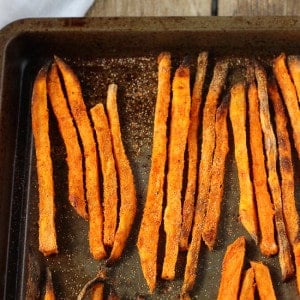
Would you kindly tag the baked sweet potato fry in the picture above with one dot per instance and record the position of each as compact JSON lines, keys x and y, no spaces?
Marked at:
{"x":82,"y":121}
{"x":264,"y":204}
{"x":217,"y":178}
{"x":237,"y":112}
{"x":263,"y":281}
{"x":289,"y":96}
{"x":49,"y":290}
{"x":126,"y":181}
{"x":40,"y":129}
{"x":290,"y":213}
{"x":180,"y":118}
{"x":148,"y":237}
{"x":109,"y":175}
{"x":192,"y":146}
{"x":232,"y":265}
{"x":248,"y":286}
{"x":204,"y":175}
{"x":98,"y":291}
{"x":285,"y":259}
{"x":293,"y":62}
{"x":69,"y":135}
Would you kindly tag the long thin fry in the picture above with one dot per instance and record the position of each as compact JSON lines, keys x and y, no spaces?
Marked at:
{"x":263,"y":281}
{"x":192,"y":146}
{"x":264,"y":204}
{"x":208,"y":145}
{"x":79,"y":113}
{"x":294,"y":68}
{"x":149,"y":231}
{"x":217,"y":179}
{"x":248,"y":286}
{"x":231,"y":270}
{"x":285,"y":260}
{"x":290,"y":213}
{"x":49,"y":290}
{"x":69,"y":135}
{"x":289,"y":96}
{"x":126,"y":180}
{"x":98,"y":291}
{"x":247,"y":210}
{"x":180,"y":118}
{"x":109,"y":175}
{"x":40,"y":129}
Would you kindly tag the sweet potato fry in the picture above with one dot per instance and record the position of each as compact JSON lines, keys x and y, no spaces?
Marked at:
{"x":248,"y":286}
{"x":285,"y":260}
{"x":109,"y":175}
{"x":69,"y":135}
{"x":82,"y":121}
{"x":263,"y":281}
{"x":289,"y":96}
{"x":294,"y":68}
{"x":290,"y":213}
{"x":217,"y":178}
{"x":40,"y":129}
{"x":149,"y":231}
{"x":192,"y":146}
{"x":264,"y":204}
{"x":180,"y":118}
{"x":126,"y":181}
{"x":208,"y":145}
{"x":49,"y":290}
{"x":231,"y":270}
{"x":98,"y":291}
{"x":237,"y":111}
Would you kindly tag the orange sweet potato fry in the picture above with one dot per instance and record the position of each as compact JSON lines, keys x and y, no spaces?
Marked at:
{"x":152,"y":216}
{"x":231,"y":270}
{"x":294,"y":68}
{"x":83,"y":123}
{"x":109,"y":175}
{"x":98,"y":291}
{"x":248,"y":286}
{"x":126,"y":181}
{"x":40,"y":129}
{"x":180,"y":118}
{"x":49,"y":290}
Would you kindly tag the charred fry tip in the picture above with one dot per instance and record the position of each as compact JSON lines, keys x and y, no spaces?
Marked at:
{"x":186,"y":62}
{"x":203,"y":56}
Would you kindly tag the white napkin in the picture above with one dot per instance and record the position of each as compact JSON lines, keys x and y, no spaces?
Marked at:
{"x":11,"y":10}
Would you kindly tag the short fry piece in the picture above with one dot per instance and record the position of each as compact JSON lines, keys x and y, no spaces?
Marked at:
{"x":237,"y":110}
{"x":212,"y":217}
{"x":294,"y":68}
{"x":289,"y":96}
{"x":231,"y":270}
{"x":109,"y":175}
{"x":287,"y":175}
{"x":192,"y":146}
{"x":180,"y":117}
{"x":285,"y":260}
{"x":248,"y":286}
{"x":264,"y":204}
{"x":208,"y":146}
{"x":82,"y":121}
{"x":40,"y":129}
{"x":149,"y":231}
{"x":98,"y":291}
{"x":69,"y":135}
{"x":263,"y":281}
{"x":49,"y":290}
{"x":126,"y":181}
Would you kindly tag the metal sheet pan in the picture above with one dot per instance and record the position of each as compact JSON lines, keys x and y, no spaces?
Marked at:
{"x":124,"y":51}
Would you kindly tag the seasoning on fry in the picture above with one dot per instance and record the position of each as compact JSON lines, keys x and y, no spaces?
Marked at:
{"x":192,"y":146}
{"x":180,"y":117}
{"x":149,"y":231}
{"x":40,"y":129}
{"x":109,"y":175}
{"x":126,"y":181}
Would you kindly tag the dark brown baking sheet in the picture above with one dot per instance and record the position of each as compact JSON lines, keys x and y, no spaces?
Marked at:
{"x":123,"y":51}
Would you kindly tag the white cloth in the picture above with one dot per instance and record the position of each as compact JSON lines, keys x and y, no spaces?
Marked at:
{"x":11,"y":10}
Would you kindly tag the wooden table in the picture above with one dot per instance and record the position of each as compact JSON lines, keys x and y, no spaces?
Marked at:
{"x":110,"y":8}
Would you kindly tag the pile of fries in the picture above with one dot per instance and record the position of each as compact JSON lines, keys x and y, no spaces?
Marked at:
{"x":193,"y":125}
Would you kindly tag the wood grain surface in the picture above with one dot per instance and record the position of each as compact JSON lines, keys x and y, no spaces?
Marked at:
{"x":111,"y":8}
